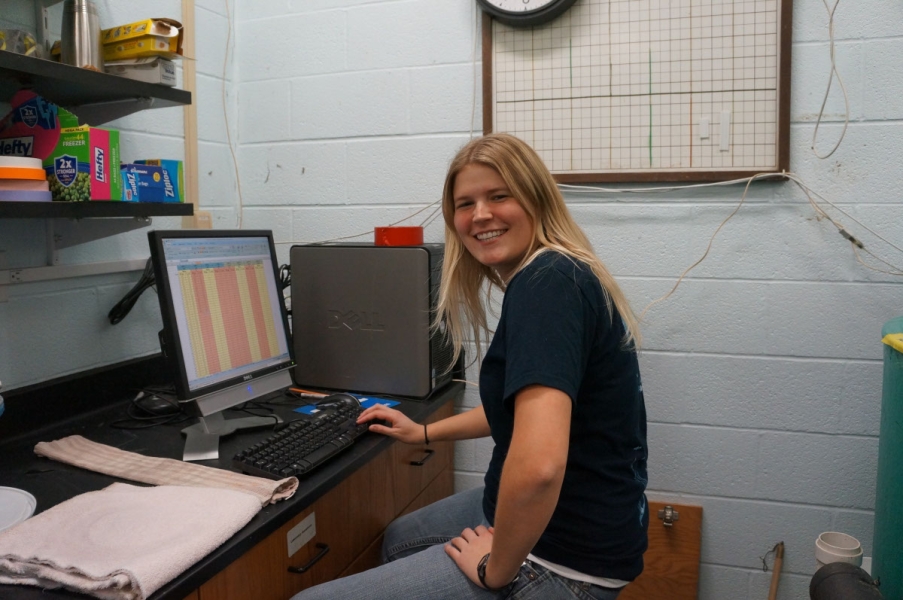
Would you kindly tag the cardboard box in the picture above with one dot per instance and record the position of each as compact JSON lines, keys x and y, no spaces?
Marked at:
{"x":153,"y":180}
{"x":32,"y":126}
{"x":150,"y":37}
{"x":81,"y":162}
{"x":85,"y":165}
{"x":152,"y":69}
{"x":173,"y":175}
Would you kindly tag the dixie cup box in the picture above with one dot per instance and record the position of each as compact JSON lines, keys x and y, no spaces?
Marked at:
{"x":153,"y":180}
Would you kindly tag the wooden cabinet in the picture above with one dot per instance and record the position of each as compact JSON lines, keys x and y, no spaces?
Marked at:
{"x":349,"y":520}
{"x":672,"y":559}
{"x":415,"y":466}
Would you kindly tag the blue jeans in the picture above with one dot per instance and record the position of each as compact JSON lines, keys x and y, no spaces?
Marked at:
{"x":417,"y":568}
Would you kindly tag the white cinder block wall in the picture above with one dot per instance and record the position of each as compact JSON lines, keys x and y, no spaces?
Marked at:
{"x":59,"y":327}
{"x":763,"y":370}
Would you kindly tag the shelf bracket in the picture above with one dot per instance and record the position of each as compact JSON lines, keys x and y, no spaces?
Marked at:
{"x":65,"y":233}
{"x":99,"y":113}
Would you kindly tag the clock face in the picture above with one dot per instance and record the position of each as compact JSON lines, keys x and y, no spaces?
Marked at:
{"x":515,"y":6}
{"x":525,"y":13}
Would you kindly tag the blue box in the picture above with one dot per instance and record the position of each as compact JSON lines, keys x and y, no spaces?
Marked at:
{"x":145,"y":181}
{"x":173,"y":177}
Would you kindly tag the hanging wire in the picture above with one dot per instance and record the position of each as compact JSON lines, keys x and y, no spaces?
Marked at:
{"x":834,"y":73}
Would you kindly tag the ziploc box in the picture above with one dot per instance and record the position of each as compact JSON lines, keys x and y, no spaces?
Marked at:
{"x":146,"y":182}
{"x":84,"y":165}
{"x":173,"y":176}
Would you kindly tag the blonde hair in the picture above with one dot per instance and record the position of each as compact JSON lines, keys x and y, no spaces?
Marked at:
{"x":531,"y":183}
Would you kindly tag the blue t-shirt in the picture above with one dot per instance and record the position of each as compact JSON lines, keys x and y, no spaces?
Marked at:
{"x":555,"y":330}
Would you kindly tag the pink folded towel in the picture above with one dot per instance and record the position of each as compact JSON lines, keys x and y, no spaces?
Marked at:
{"x":78,"y":451}
{"x":123,"y":542}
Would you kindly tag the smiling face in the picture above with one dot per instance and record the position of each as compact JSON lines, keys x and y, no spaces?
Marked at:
{"x":490,"y":222}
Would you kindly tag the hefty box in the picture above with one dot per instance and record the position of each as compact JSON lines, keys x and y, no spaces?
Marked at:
{"x":150,"y":37}
{"x":81,"y":162}
{"x":144,"y":181}
{"x":31,"y":128}
{"x":84,"y":165}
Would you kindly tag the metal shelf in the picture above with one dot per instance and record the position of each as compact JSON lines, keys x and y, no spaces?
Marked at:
{"x":93,"y":209}
{"x":95,"y":97}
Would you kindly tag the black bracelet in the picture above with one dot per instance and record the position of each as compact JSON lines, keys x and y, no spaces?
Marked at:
{"x":481,"y":574}
{"x":426,"y":438}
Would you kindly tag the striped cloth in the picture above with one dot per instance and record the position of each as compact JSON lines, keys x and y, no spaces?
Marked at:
{"x":78,"y":451}
{"x":123,"y":542}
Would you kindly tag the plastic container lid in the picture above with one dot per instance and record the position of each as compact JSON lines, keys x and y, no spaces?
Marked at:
{"x":25,"y":196}
{"x":398,"y":236}
{"x":22,"y":173}
{"x":892,"y":334}
{"x":23,"y":162}
{"x":15,"y":506}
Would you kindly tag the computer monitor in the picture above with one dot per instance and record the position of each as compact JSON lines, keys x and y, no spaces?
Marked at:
{"x":225,"y":328}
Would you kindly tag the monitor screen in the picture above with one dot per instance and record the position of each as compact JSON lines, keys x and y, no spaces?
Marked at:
{"x":224,"y":321}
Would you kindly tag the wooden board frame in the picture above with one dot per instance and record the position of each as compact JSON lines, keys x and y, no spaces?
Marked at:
{"x":684,"y":175}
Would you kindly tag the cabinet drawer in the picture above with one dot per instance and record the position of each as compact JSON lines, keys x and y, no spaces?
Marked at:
{"x":441,"y":487}
{"x":260,"y":574}
{"x":415,"y":466}
{"x":349,"y":518}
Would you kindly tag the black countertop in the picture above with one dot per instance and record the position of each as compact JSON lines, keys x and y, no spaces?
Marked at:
{"x":51,"y":482}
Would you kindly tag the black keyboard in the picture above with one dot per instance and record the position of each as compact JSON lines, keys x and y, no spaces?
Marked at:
{"x":305,"y":444}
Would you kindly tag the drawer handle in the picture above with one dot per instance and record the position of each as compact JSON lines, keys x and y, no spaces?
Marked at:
{"x":324,"y":549}
{"x":429,"y":455}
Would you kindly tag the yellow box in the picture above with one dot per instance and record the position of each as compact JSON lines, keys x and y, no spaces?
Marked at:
{"x":150,"y":37}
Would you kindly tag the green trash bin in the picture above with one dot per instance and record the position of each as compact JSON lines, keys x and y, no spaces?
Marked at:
{"x":887,"y":555}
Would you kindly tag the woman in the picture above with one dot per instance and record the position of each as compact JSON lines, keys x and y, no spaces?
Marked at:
{"x":563,"y":512}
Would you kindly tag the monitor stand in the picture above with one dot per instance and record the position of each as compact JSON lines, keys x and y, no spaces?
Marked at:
{"x":202,"y":438}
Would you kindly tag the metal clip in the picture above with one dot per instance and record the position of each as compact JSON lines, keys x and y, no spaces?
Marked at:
{"x":668,"y":515}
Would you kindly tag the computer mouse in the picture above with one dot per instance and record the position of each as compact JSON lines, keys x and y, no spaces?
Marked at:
{"x":339,"y":398}
{"x":156,"y":405}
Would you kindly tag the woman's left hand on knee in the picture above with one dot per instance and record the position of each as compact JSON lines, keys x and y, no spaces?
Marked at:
{"x":468,"y":548}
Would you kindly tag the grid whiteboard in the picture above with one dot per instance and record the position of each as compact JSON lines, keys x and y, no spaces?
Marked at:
{"x":640,"y":90}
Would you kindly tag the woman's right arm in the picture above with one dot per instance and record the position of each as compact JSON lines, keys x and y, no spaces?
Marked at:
{"x":463,"y":426}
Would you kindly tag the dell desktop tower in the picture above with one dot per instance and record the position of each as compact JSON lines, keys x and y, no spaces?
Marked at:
{"x":362,"y":319}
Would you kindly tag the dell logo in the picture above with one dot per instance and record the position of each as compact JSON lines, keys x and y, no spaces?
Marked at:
{"x":246,"y":378}
{"x":354,"y":320}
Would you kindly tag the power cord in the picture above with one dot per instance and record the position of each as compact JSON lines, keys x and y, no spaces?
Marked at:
{"x":140,"y":414}
{"x":285,"y":276}
{"x":122,"y":308}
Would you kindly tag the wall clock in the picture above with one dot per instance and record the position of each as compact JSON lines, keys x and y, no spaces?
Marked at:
{"x":525,"y":13}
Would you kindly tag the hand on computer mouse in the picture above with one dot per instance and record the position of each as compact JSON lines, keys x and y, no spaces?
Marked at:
{"x":392,"y":423}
